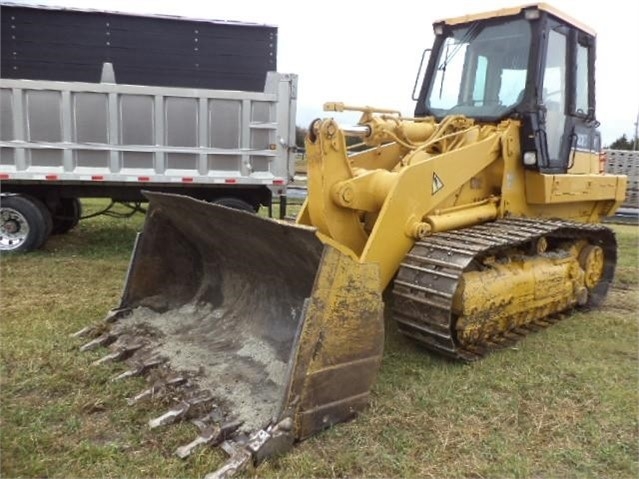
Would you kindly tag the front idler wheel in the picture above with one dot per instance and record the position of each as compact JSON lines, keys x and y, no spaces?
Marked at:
{"x":591,"y":260}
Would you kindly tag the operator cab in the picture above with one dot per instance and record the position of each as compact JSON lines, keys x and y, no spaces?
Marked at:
{"x":531,"y":63}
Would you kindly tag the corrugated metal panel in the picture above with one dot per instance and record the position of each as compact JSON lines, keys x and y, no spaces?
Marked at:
{"x":624,"y":162}
{"x":68,"y":45}
{"x":77,"y":132}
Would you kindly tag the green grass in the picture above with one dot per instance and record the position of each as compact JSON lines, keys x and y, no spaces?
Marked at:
{"x":563,"y":403}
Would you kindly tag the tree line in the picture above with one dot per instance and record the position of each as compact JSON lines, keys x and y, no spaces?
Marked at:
{"x":623,"y":143}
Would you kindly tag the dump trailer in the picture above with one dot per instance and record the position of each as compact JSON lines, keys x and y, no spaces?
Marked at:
{"x":133,"y":102}
{"x":478,"y":220}
{"x":63,"y":141}
{"x":625,"y":162}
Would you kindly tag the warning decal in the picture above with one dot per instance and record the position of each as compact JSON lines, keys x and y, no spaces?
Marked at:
{"x":437,"y":183}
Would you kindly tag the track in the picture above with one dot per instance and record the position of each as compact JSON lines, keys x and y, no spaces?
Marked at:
{"x":425,"y":285}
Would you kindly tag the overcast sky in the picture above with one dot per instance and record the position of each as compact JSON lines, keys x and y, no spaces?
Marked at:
{"x":367,"y":53}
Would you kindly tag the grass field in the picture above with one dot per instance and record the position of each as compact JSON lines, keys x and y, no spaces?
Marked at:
{"x":564,"y":403}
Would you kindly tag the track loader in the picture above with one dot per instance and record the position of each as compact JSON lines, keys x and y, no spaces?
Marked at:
{"x":479,"y":217}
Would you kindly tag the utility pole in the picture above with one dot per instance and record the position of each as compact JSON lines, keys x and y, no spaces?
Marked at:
{"x":635,"y":144}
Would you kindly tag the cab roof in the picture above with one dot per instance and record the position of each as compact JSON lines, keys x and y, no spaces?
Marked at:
{"x":510,"y":11}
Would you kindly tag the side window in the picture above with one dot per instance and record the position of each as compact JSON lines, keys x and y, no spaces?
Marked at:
{"x":513,"y":82}
{"x":480,"y":80}
{"x":555,"y":68}
{"x":448,"y":79}
{"x":554,"y":92}
{"x":581,"y":95}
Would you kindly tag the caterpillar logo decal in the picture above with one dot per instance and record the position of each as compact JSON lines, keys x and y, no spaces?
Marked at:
{"x":437,"y":183}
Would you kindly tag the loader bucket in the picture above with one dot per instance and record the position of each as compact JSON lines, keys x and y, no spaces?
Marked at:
{"x":277,"y":326}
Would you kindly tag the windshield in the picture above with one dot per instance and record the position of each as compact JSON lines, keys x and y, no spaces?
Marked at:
{"x":481,"y":70}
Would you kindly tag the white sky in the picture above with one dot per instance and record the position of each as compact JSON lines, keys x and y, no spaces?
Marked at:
{"x":367,"y":52}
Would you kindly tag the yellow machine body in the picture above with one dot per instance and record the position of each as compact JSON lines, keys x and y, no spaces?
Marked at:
{"x":461,"y":175}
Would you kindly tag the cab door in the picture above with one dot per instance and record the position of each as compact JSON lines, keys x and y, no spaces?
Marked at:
{"x":553,"y":99}
{"x":567,"y":112}
{"x":584,"y":141}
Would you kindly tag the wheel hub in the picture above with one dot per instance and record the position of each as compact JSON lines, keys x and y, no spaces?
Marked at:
{"x":10,"y":227}
{"x":13,"y":228}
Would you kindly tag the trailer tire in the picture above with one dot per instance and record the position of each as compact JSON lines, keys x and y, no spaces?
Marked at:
{"x":24,"y":223}
{"x":235,"y":203}
{"x":46,"y":215}
{"x":66,"y":216}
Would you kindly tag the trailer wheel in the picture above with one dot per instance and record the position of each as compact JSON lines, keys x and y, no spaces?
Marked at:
{"x":235,"y":203}
{"x":66,"y":216}
{"x":46,"y":215}
{"x":23,"y":223}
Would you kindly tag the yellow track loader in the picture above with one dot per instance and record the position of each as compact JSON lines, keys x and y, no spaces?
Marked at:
{"x":479,"y":217}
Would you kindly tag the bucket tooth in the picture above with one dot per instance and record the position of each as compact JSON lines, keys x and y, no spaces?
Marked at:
{"x":213,"y":417}
{"x":230,"y":427}
{"x":241,"y":455}
{"x":115,"y":314}
{"x":140,"y":368}
{"x":111,"y":317}
{"x":257,"y":440}
{"x":210,"y":435}
{"x":178,"y":412}
{"x":86,"y":331}
{"x":170,"y":416}
{"x":102,"y":340}
{"x":119,"y":354}
{"x":239,"y":460}
{"x":156,"y":389}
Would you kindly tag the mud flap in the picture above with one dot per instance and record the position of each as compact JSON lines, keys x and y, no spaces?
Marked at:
{"x":280,"y":331}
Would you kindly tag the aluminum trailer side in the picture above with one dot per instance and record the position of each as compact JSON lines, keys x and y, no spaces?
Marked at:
{"x":60,"y":141}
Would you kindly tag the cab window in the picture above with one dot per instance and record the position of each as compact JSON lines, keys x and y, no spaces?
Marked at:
{"x":581,"y":84}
